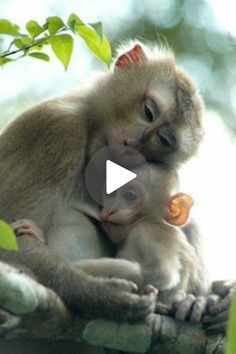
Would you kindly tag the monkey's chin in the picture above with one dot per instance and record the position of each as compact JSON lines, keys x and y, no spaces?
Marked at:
{"x":107,"y":225}
{"x":111,"y":227}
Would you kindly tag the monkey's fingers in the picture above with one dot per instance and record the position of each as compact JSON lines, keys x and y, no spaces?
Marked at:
{"x":149,"y":289}
{"x":163,"y":309}
{"x":114,"y":300}
{"x":8,"y":321}
{"x":22,"y":227}
{"x":215,"y":323}
{"x":179,"y":296}
{"x":212,"y":299}
{"x":123,"y":285}
{"x":221,"y":306}
{"x":184,"y":308}
{"x":217,"y":328}
{"x":198,"y":309}
{"x":208,"y":320}
{"x":133,"y":306}
{"x":223,"y":287}
{"x":140,"y":307}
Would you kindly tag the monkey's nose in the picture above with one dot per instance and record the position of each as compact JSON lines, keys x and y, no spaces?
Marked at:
{"x":134,"y":143}
{"x":107,"y":213}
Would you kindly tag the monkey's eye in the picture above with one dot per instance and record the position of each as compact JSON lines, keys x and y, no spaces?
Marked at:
{"x":166,"y":138}
{"x":151,"y":111}
{"x":130,"y":195}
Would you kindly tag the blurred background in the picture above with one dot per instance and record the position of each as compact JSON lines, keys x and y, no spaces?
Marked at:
{"x":203,"y":36}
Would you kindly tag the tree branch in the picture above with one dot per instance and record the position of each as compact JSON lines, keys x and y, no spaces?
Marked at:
{"x":29,"y":310}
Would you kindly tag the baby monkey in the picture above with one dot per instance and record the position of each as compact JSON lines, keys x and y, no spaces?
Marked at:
{"x":143,"y":220}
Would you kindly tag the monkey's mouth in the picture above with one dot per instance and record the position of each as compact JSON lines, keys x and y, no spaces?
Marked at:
{"x":107,"y":226}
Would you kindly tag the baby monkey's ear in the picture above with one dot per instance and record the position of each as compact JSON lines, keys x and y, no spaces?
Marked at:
{"x":178,"y":209}
{"x":135,"y":56}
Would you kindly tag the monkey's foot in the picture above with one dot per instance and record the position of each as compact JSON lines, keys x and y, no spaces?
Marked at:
{"x":27,"y":227}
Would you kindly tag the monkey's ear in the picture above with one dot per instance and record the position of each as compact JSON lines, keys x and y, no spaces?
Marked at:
{"x":133,"y":57}
{"x":178,"y":209}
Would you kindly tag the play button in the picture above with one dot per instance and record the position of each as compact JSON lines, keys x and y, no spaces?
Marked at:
{"x":117,"y":176}
{"x":112,"y":167}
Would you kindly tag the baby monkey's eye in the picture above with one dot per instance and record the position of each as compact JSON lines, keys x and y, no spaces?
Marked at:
{"x":152,"y":112}
{"x":130,"y":195}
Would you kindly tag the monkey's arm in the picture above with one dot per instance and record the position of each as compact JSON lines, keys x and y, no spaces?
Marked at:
{"x":89,"y":296}
{"x":111,"y":268}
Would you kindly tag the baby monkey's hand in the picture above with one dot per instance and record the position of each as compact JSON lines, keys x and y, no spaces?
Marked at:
{"x":27,"y":227}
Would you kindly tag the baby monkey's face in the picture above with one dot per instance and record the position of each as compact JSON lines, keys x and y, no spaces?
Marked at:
{"x":153,"y":198}
{"x":125,"y":205}
{"x":141,"y":196}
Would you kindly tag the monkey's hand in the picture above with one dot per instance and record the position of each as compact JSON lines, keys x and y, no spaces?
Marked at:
{"x":188,"y":307}
{"x":27,"y":227}
{"x":116,"y":299}
{"x":215,"y":319}
{"x":89,"y":296}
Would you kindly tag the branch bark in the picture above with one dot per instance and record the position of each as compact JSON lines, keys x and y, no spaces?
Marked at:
{"x":29,"y":310}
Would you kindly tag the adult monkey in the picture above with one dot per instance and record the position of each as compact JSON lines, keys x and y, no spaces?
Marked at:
{"x":146,"y":102}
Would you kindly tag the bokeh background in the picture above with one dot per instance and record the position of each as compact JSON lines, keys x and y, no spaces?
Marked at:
{"x":203,"y":36}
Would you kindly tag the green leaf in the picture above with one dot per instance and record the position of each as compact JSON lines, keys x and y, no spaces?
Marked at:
{"x":99,"y":48}
{"x":33,"y":28}
{"x":94,"y":38}
{"x":73,"y":20}
{"x":98,"y":29}
{"x":8,"y":28}
{"x":21,"y":42}
{"x":39,"y":55}
{"x":62,"y":46}
{"x":5,"y":61}
{"x":7,"y":237}
{"x":230,"y":347}
{"x":54,"y":23}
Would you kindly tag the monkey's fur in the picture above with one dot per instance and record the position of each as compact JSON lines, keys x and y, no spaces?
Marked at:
{"x":44,"y":152}
{"x":163,"y":256}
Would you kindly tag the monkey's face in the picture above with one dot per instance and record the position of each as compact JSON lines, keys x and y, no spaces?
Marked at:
{"x":125,"y":205}
{"x":150,"y":104}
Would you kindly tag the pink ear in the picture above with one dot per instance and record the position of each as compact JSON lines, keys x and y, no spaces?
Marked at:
{"x":135,"y":56}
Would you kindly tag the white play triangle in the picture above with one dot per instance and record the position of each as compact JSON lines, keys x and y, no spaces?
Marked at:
{"x":117,"y":176}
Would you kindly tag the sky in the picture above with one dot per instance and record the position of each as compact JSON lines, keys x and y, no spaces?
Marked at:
{"x":210,"y":177}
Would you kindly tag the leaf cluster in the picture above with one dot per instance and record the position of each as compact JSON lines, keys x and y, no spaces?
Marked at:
{"x":57,"y":34}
